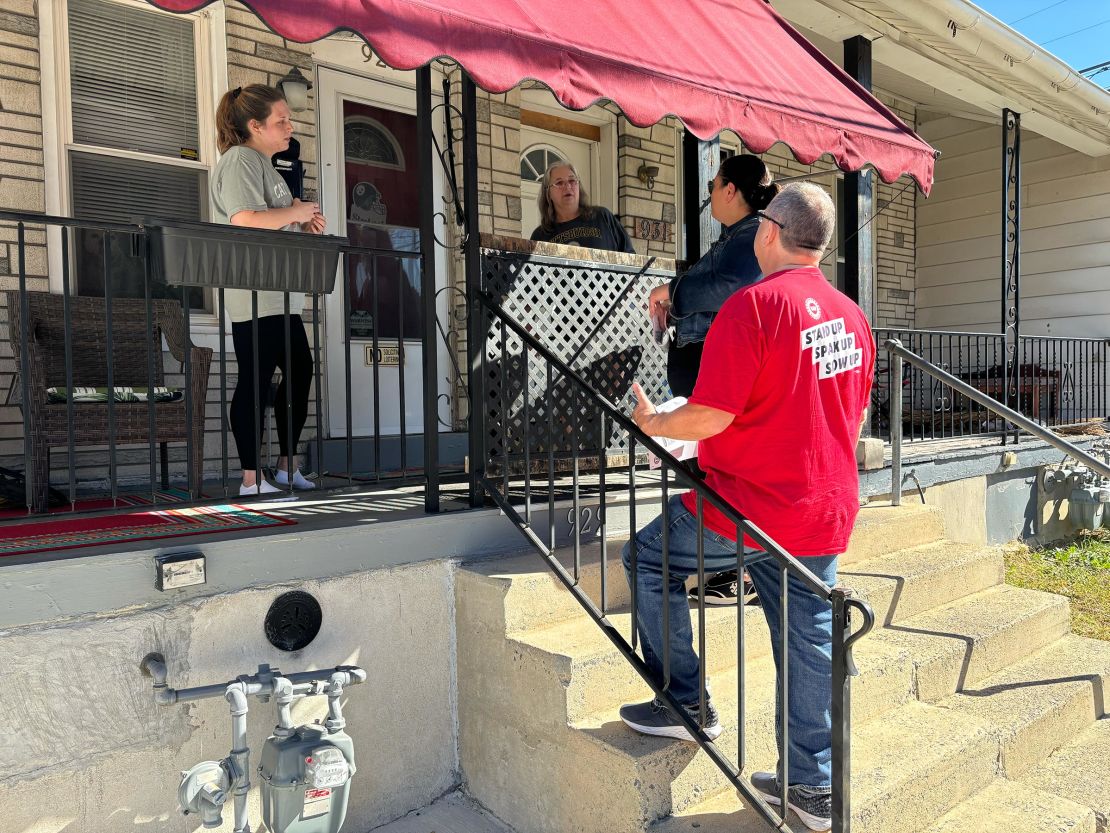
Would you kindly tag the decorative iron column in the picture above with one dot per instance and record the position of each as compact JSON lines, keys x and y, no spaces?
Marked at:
{"x":428,"y":287}
{"x":476,"y":318}
{"x":858,"y":204}
{"x":1011,"y":255}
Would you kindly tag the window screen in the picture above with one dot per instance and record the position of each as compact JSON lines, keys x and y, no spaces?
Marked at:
{"x":133,"y":79}
{"x":114,"y":189}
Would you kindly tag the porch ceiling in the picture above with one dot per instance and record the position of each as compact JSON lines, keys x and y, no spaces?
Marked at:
{"x":780,"y":89}
{"x":969,"y":65}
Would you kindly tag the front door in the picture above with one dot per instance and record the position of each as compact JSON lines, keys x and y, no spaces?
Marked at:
{"x":370,"y":180}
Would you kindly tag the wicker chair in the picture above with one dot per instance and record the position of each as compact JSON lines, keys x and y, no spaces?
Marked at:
{"x":44,"y":335}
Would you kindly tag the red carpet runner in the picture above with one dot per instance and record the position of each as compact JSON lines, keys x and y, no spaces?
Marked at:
{"x":50,"y":535}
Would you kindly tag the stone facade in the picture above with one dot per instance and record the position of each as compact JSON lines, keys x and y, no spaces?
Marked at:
{"x":655,"y":147}
{"x":895,"y":233}
{"x":255,"y":55}
{"x":499,"y":160}
{"x":22,"y":176}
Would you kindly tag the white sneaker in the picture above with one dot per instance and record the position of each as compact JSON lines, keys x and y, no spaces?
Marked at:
{"x":267,"y":488}
{"x":281,"y":477}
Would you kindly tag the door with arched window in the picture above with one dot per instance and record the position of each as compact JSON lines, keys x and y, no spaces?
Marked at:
{"x":370,"y":178}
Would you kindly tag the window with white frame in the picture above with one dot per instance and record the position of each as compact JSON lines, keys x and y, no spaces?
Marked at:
{"x":135,"y":147}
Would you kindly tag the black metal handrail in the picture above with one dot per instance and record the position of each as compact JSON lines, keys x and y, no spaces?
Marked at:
{"x":1054,"y":380}
{"x":839,"y":598}
{"x":123,"y":248}
{"x":900,"y":354}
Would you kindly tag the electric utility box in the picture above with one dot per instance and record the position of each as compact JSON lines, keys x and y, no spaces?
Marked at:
{"x":305,"y":778}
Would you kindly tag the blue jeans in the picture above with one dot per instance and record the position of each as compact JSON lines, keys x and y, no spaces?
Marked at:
{"x":809,"y":704}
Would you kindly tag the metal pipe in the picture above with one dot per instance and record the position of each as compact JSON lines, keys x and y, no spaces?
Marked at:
{"x":240,"y":755}
{"x":991,"y":404}
{"x":335,"y":721}
{"x":283,"y":698}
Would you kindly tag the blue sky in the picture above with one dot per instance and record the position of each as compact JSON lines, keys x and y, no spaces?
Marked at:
{"x":1076,"y":31}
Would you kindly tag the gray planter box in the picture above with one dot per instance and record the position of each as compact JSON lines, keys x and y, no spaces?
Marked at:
{"x":207,"y":254}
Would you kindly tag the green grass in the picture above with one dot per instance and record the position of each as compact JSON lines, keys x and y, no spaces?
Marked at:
{"x":1080,"y":571}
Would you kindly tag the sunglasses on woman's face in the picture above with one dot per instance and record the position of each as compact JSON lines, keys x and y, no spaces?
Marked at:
{"x":713,"y":183}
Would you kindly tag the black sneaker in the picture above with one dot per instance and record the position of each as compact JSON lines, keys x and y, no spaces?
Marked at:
{"x":813,"y":807}
{"x":654,"y":718}
{"x":723,"y":589}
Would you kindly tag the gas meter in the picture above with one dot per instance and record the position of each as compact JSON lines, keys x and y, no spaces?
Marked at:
{"x":305,"y":770}
{"x":305,"y":779}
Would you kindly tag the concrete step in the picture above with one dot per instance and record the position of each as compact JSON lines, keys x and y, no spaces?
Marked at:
{"x":597,"y":675}
{"x":881,"y":528}
{"x":530,"y":595}
{"x":922,"y":656}
{"x":1078,"y":772}
{"x":893,"y":664}
{"x":673,"y":773}
{"x":958,"y":644}
{"x":914,"y":764}
{"x":914,"y":580}
{"x":1040,"y":703}
{"x":1007,"y":807}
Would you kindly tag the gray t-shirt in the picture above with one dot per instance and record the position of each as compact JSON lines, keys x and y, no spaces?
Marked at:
{"x":244,"y":180}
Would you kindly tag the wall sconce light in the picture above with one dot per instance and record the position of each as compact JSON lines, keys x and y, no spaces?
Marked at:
{"x":647,"y":175}
{"x":295,"y":87}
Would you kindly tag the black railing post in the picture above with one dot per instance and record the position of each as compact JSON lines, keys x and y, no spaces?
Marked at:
{"x":29,"y":482}
{"x":841,"y":713}
{"x":475,"y":333}
{"x":151,"y":417}
{"x":221,"y":328}
{"x":71,"y":427}
{"x":1011,"y":257}
{"x":428,"y":287}
{"x":109,"y":349}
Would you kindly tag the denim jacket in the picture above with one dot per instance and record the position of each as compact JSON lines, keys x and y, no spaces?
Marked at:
{"x":698,"y":293}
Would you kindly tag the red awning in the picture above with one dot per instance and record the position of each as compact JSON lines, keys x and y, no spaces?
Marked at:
{"x":715,"y":64}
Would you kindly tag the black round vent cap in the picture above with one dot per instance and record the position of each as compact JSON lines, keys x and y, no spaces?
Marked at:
{"x":293,"y":620}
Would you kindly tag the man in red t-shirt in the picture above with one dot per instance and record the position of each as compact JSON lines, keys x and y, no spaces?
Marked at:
{"x":777,"y":410}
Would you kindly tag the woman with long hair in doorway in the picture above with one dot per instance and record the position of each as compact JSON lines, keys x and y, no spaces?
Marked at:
{"x":254,"y":123}
{"x":741,"y":189}
{"x":568,"y":217}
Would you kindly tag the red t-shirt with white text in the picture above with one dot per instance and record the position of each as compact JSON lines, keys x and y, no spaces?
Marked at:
{"x":792,"y":359}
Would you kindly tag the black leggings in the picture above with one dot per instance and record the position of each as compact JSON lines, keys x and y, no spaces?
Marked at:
{"x":271,"y":356}
{"x":682,"y":368}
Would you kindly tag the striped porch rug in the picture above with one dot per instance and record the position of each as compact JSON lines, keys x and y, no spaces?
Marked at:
{"x":48,"y":535}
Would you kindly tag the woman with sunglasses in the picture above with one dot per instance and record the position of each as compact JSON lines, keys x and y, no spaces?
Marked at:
{"x":567,"y":217}
{"x":690,"y":302}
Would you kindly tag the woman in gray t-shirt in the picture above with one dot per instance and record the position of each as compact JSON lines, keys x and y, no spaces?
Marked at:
{"x":254,"y":124}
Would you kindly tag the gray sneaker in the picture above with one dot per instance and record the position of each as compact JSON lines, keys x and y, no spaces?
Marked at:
{"x":814,"y":807}
{"x":654,"y":718}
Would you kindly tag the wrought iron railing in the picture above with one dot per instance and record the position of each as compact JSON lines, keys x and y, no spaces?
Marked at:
{"x":589,"y":418}
{"x":1057,"y":382}
{"x":901,"y":356}
{"x":590,"y":314}
{"x":101,"y":323}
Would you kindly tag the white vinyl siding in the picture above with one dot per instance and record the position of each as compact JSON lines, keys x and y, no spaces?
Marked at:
{"x":1065,"y":235}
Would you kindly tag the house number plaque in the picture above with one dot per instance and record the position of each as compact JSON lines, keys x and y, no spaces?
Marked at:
{"x":652,"y":229}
